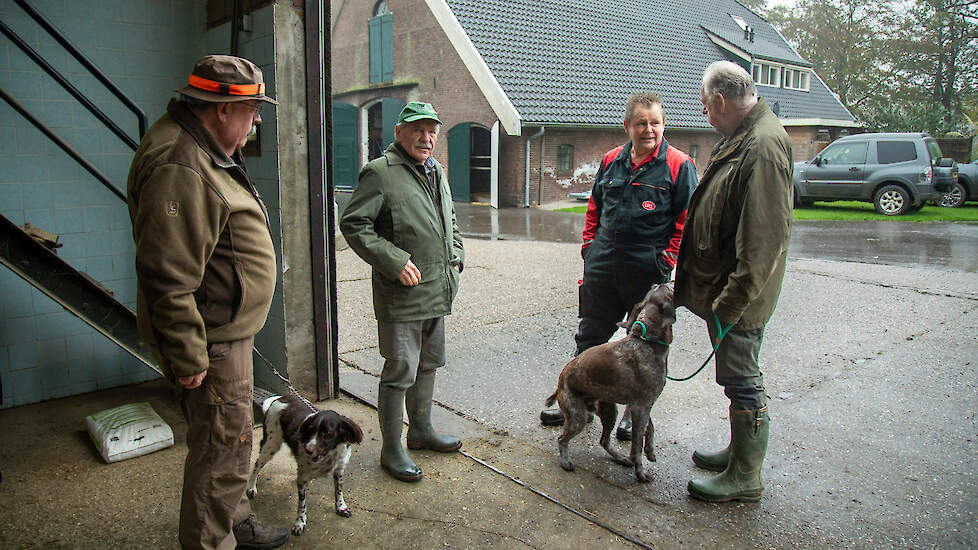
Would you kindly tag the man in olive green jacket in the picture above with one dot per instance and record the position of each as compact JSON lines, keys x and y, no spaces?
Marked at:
{"x":731,"y":265}
{"x":205,"y":268}
{"x":401,"y":221}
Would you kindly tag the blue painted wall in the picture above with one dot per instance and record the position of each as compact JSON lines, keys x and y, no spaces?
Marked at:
{"x":147,"y":47}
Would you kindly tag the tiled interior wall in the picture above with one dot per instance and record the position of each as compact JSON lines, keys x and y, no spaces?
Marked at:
{"x":147,"y":48}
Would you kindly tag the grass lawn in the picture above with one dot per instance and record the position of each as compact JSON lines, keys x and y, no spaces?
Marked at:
{"x":853,"y":210}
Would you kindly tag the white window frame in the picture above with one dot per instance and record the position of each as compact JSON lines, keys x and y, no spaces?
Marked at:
{"x":804,"y":76}
{"x":765,"y":70}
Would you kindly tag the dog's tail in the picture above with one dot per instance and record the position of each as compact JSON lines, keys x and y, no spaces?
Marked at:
{"x":550,"y":400}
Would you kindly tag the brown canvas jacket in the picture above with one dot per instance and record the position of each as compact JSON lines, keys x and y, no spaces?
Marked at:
{"x":732,"y":256}
{"x":205,"y":262}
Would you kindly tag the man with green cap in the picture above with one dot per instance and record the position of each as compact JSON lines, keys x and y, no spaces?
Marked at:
{"x":205,"y":268}
{"x":401,"y":221}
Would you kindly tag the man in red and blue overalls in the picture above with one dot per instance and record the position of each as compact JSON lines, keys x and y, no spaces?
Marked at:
{"x":633,"y":228}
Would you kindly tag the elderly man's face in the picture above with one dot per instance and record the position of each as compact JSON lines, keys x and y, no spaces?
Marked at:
{"x":235,"y":121}
{"x":712,"y":107}
{"x":417,"y":138}
{"x":246,"y":115}
{"x":645,"y":129}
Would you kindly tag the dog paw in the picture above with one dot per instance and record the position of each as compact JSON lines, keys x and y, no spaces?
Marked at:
{"x":567,"y":465}
{"x":298,"y":528}
{"x":250,"y":493}
{"x":343,"y":512}
{"x":643,"y":476}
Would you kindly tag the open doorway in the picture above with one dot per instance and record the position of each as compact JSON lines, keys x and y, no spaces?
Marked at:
{"x":481,"y":164}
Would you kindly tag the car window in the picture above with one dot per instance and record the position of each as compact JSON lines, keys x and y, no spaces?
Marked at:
{"x":888,"y":152}
{"x":934,"y":149}
{"x":845,"y":153}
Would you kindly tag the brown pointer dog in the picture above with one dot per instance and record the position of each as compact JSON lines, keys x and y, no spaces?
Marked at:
{"x":631,"y":371}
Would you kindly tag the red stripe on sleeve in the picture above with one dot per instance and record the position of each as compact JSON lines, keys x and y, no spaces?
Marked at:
{"x":671,"y":253}
{"x":675,"y":158}
{"x":590,"y":222}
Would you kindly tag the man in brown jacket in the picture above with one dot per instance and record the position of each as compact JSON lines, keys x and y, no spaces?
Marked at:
{"x":206,"y":270}
{"x":731,"y":264}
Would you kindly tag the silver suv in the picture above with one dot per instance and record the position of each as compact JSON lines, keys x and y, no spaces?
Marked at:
{"x":897,"y":172}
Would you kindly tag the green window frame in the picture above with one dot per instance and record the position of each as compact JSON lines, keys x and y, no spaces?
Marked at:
{"x":565,"y":158}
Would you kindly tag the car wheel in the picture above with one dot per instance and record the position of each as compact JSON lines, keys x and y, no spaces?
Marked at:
{"x":955,"y":197}
{"x":799,"y":202}
{"x":892,"y":200}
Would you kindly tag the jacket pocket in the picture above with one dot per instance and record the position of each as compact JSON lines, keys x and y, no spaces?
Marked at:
{"x":238,"y":294}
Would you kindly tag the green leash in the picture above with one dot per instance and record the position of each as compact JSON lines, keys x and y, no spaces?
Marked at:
{"x":721,"y":332}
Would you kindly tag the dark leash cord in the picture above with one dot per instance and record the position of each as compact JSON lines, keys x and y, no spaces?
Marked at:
{"x":590,"y":519}
{"x":721,"y":332}
{"x":286,"y":380}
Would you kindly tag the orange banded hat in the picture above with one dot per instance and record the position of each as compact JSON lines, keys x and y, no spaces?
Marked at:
{"x":225,"y":78}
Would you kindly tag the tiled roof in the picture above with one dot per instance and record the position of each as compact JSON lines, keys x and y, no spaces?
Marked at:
{"x":577,"y":61}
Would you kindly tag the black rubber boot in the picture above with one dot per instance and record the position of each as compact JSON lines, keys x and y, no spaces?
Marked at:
{"x":390,"y":413}
{"x":551,"y":417}
{"x":741,"y":480}
{"x":624,"y":432}
{"x":420,"y":434}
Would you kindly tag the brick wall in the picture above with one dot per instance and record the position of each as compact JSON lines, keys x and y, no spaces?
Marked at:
{"x":426,"y":67}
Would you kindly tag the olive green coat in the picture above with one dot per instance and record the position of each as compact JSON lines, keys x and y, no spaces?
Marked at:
{"x":391,"y":218}
{"x":732,"y":256}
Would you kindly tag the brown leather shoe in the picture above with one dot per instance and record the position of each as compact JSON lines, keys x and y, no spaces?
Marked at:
{"x":252,"y":535}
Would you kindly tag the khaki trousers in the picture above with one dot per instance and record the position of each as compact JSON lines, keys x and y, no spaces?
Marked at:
{"x":219,"y":433}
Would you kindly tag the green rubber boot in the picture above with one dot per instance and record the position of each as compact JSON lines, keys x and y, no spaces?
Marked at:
{"x":741,"y":480}
{"x":420,"y":433}
{"x":715,"y":461}
{"x":390,"y":413}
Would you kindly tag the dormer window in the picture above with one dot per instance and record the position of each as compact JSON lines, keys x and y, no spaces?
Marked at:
{"x":748,"y":30}
{"x":767,"y":74}
{"x":795,"y":79}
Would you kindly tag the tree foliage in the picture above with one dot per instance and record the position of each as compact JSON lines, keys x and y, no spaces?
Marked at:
{"x":897,"y":65}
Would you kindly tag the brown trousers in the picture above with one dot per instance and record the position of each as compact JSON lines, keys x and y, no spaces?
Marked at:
{"x":219,"y":433}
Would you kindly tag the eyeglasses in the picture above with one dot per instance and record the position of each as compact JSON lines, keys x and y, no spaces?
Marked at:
{"x":256,"y":113}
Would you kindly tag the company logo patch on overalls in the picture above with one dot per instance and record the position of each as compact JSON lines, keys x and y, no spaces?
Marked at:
{"x":172,"y":208}
{"x":648,"y":205}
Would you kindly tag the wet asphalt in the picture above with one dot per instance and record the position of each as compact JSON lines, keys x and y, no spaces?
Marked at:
{"x":869,"y":362}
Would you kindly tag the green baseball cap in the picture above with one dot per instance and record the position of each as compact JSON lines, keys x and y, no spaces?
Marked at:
{"x":416,"y":111}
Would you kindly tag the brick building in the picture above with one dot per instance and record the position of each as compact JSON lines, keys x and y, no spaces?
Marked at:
{"x":532,"y":93}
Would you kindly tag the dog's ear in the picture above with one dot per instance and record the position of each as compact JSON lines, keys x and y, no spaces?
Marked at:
{"x":350,"y":430}
{"x":668,"y":314}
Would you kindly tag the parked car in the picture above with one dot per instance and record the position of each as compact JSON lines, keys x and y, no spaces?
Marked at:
{"x":897,"y":172}
{"x":581,"y":196}
{"x":966,"y":188}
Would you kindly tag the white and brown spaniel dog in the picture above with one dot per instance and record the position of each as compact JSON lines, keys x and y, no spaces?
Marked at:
{"x":320,"y":442}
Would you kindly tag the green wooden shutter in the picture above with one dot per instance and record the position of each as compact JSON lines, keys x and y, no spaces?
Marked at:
{"x":374,"y":33}
{"x":390,"y":107}
{"x":345,"y":164}
{"x":380,"y":33}
{"x":459,"y":151}
{"x":387,"y":47}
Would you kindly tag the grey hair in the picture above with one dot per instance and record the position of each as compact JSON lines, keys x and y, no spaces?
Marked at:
{"x":731,"y":81}
{"x":194,"y":104}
